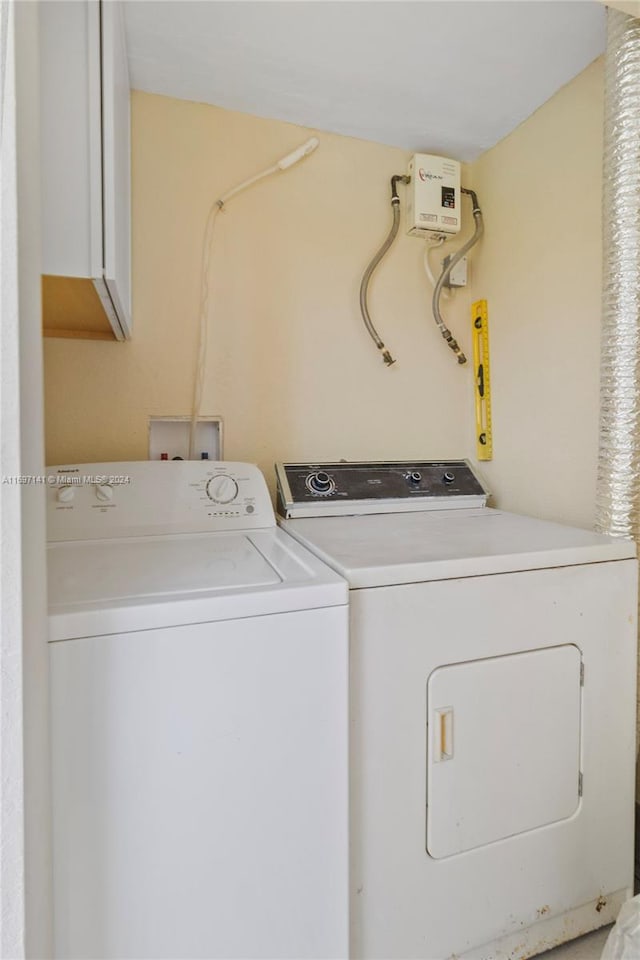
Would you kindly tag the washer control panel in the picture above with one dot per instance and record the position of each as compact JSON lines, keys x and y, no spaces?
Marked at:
{"x":222,"y":488}
{"x":89,"y":501}
{"x":331,"y":489}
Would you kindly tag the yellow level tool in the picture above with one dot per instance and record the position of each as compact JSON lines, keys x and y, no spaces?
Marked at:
{"x":480,"y":336}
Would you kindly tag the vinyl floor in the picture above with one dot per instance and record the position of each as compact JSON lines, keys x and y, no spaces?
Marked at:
{"x":588,"y":947}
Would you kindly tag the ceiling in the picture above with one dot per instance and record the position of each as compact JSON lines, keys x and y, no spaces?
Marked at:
{"x":450,"y":77}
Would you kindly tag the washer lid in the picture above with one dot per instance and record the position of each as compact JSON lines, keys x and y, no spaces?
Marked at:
{"x":115,"y":586}
{"x":386,"y":549}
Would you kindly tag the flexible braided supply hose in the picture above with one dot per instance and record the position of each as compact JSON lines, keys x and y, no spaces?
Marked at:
{"x":364,"y":286}
{"x":442,"y":279}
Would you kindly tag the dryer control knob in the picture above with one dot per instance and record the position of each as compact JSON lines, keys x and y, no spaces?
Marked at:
{"x":414,"y":477}
{"x":65,"y":494}
{"x":320,"y":482}
{"x":448,"y":477}
{"x":104,"y":492}
{"x":222,"y":489}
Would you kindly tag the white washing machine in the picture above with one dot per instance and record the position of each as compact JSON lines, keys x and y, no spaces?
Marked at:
{"x":199,"y":660}
{"x":493,"y":675}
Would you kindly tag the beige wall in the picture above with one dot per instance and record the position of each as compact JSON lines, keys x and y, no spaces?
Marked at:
{"x":540,"y":269}
{"x":632,"y":7}
{"x":291,"y":368}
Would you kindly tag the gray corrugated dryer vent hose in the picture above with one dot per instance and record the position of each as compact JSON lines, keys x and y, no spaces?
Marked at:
{"x":618,"y":488}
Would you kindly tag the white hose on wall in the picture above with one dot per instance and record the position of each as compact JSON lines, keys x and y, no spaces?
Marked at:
{"x":618,"y":487}
{"x":203,"y":311}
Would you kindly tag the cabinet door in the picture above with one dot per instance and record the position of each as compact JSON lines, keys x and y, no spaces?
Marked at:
{"x":503,"y":747}
{"x":70,"y":134}
{"x":116,"y":152}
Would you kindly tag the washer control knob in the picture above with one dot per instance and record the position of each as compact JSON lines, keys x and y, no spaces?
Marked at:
{"x":448,"y":477}
{"x":104,"y":492}
{"x":414,"y":477}
{"x":222,"y":489}
{"x":320,"y":482}
{"x":65,"y":494}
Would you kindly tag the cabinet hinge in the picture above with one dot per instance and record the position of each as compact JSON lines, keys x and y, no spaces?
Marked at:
{"x":580,"y":784}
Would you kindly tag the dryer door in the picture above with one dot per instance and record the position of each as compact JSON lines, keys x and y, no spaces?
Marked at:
{"x":503,"y":750}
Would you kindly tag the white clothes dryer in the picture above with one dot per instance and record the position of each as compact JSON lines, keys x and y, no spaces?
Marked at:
{"x":199,"y":719}
{"x":492,"y":698}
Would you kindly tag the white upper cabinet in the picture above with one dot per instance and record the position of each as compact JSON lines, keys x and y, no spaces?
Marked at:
{"x":116,"y":162}
{"x":86,"y":162}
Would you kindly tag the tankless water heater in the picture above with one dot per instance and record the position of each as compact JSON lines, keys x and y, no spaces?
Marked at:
{"x":433,"y":196}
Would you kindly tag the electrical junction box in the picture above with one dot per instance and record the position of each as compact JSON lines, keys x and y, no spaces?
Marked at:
{"x":433,"y":196}
{"x":458,"y":276}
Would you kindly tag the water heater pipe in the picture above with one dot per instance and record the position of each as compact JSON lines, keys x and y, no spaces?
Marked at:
{"x":203,"y":325}
{"x":442,"y":279}
{"x":364,"y":286}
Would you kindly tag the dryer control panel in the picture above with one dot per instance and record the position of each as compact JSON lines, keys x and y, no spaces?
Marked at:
{"x":334,"y":489}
